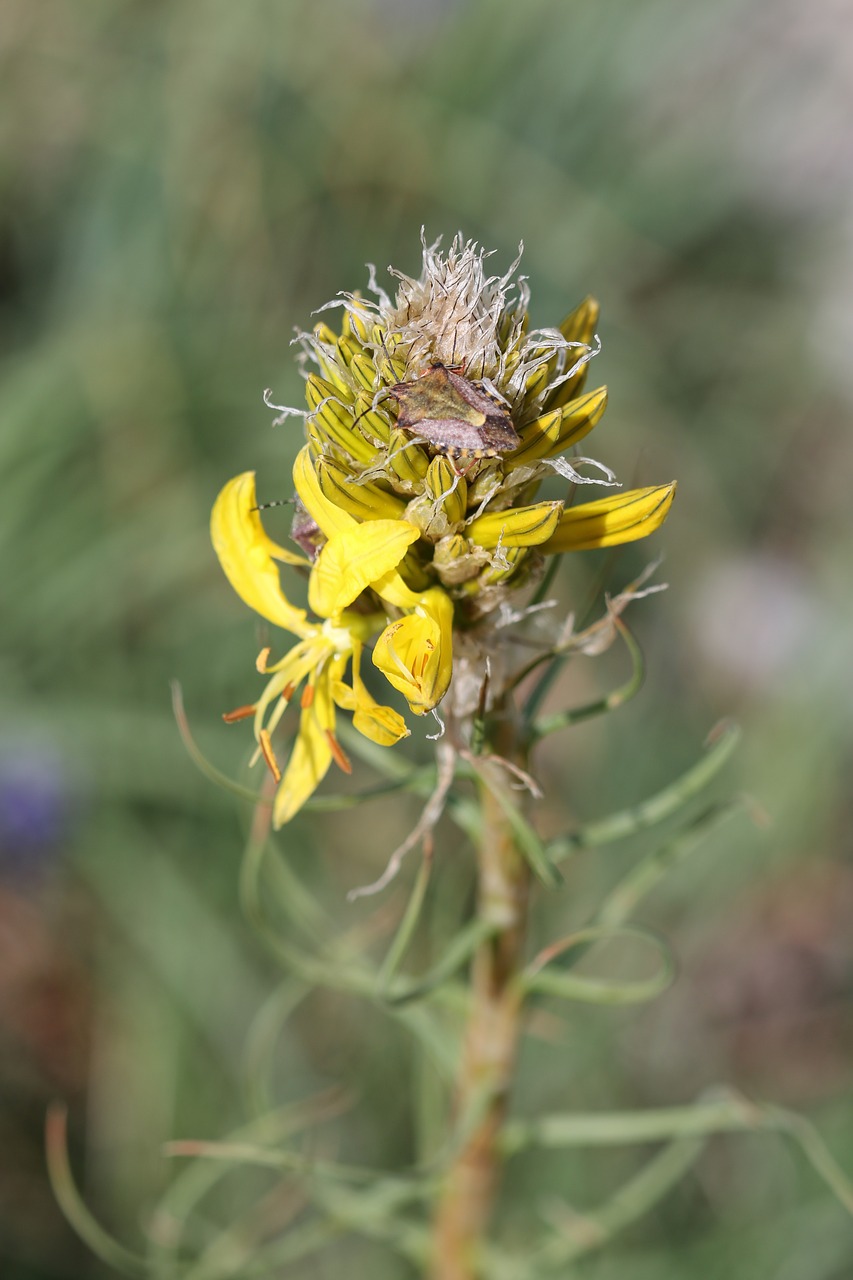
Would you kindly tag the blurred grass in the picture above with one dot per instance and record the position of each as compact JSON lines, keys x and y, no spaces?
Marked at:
{"x":180,"y":186}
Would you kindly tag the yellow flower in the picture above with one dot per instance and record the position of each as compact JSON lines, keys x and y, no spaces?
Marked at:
{"x":415,"y":652}
{"x":433,"y":420}
{"x":608,"y":522}
{"x":445,"y":408}
{"x":354,"y":558}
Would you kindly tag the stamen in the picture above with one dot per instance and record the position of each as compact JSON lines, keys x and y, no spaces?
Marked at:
{"x":288,"y":691}
{"x":307,"y":698}
{"x":269,"y":754}
{"x":262,"y":659}
{"x":239,"y":713}
{"x":400,"y":664}
{"x":273,"y":721}
{"x":339,"y":756}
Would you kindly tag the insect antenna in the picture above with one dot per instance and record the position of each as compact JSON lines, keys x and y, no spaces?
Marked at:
{"x":279,"y":502}
{"x":371,"y":407}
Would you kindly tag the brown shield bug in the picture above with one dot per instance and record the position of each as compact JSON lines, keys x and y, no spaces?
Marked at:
{"x":455,"y":415}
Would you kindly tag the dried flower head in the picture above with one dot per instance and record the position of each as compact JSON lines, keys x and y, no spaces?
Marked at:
{"x":433,"y":418}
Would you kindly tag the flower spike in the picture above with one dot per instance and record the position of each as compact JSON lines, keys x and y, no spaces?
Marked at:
{"x":433,"y":419}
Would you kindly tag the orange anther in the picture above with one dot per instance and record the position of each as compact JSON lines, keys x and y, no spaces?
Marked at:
{"x":269,"y":754}
{"x":307,"y":697}
{"x":338,"y":754}
{"x":288,"y":691}
{"x":239,"y":713}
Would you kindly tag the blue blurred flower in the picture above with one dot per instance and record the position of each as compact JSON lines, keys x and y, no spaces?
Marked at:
{"x":35,"y":807}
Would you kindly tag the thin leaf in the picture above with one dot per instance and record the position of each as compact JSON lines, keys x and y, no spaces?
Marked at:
{"x":263,"y":1035}
{"x":585,"y":1231}
{"x":454,"y":954}
{"x":72,"y":1205}
{"x":351,"y":800}
{"x":201,"y":761}
{"x":300,"y":1241}
{"x":340,"y":973}
{"x":616,"y":698}
{"x":641,"y":879}
{"x":309,"y":968}
{"x":582,"y":1231}
{"x":197,"y":1180}
{"x":662,"y":805}
{"x":729,"y":1112}
{"x":265,"y":1157}
{"x":542,"y":977}
{"x":407,"y":926}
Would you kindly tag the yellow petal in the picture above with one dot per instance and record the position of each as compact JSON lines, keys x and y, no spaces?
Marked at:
{"x":415,"y":653}
{"x":625,"y":517}
{"x":248,"y":555}
{"x":558,"y":430}
{"x":315,"y":746}
{"x":382,"y":725}
{"x":579,"y":326}
{"x":393,"y":590}
{"x":323,"y":705}
{"x":307,"y":767}
{"x":517,"y":526}
{"x":344,"y":696}
{"x":407,"y":460}
{"x":336,"y":420}
{"x":333,"y":519}
{"x":330,"y":518}
{"x":364,"y":501}
{"x":353,"y":559}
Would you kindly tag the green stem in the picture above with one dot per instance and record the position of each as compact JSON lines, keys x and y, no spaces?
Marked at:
{"x":491,"y":1039}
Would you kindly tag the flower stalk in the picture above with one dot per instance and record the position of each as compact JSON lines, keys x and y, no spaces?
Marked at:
{"x":434,"y":419}
{"x":439,"y":472}
{"x":492,"y":1033}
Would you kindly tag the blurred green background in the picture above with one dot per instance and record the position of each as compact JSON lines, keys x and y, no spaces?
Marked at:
{"x":181,"y":185}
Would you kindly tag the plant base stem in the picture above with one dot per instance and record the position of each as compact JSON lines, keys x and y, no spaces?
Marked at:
{"x":491,"y":1040}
